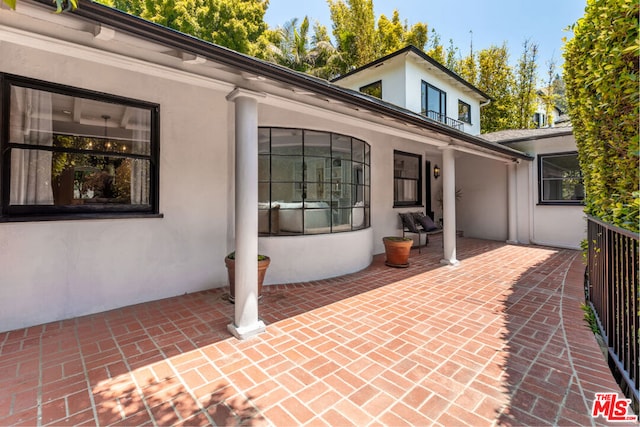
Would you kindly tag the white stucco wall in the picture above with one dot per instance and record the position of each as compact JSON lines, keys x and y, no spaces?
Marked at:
{"x":392,"y":75}
{"x":552,"y":225}
{"x":482,"y":211}
{"x":59,"y":269}
{"x":416,"y":74}
{"x":402,"y":85}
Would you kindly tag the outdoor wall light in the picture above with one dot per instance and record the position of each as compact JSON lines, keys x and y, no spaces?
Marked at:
{"x":436,"y":171}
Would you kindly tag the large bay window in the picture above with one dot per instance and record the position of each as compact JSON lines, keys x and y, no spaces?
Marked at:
{"x":560,"y":179}
{"x":312,"y":182}
{"x":67,"y":151}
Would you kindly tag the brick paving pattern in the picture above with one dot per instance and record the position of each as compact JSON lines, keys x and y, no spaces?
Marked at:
{"x":498,"y":340}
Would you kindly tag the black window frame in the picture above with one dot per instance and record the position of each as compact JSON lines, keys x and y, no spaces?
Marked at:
{"x":541,"y":179}
{"x":19,"y":213}
{"x":305,"y":181}
{"x":366,"y":89}
{"x":418,"y":201}
{"x":442,"y":101}
{"x":466,"y":119}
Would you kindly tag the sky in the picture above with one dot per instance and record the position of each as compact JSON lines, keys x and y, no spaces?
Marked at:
{"x":486,"y":22}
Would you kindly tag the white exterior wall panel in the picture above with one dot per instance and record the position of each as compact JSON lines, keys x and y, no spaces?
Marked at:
{"x":61,"y":269}
{"x":482,"y":211}
{"x":553,"y":225}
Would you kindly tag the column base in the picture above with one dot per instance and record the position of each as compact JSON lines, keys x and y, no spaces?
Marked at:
{"x":513,"y":242}
{"x":452,"y":262}
{"x":243,"y":333}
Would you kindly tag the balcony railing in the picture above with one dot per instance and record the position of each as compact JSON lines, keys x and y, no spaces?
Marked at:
{"x":613,"y":293}
{"x":439,"y":117}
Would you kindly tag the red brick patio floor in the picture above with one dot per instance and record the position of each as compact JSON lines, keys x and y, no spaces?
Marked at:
{"x":498,"y":340}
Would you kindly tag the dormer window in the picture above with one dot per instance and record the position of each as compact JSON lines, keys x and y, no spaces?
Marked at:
{"x":373,"y":89}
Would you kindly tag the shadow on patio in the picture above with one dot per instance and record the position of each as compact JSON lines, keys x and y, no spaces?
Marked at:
{"x":497,"y":340}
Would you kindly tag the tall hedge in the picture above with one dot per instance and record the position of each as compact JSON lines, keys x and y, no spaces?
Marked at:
{"x":601,"y":76}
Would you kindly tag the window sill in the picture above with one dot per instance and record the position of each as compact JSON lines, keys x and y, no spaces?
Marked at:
{"x":560,"y":204}
{"x":407,"y":206}
{"x":78,"y":217}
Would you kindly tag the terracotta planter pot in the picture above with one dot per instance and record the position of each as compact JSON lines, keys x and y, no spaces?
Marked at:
{"x":397,"y":250}
{"x":231,"y":270}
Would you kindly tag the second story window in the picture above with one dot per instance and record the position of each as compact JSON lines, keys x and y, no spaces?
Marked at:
{"x":540,"y":119}
{"x":434,"y":102}
{"x":464,"y":112}
{"x":373,"y":89}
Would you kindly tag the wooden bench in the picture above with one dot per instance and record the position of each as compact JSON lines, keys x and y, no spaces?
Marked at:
{"x":406,"y":230}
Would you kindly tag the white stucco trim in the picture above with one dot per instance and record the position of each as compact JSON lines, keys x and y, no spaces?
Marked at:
{"x":74,"y":50}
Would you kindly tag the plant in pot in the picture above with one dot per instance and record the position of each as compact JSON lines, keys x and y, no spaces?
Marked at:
{"x":230,"y":262}
{"x":397,"y":250}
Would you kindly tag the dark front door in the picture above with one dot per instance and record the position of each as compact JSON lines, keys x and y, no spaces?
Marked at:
{"x":427,"y":189}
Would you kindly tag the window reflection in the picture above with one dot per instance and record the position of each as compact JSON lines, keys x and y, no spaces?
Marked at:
{"x":317,"y":182}
{"x":74,"y":154}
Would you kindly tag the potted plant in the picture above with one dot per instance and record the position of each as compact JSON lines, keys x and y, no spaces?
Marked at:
{"x":230,"y":262}
{"x":397,"y":250}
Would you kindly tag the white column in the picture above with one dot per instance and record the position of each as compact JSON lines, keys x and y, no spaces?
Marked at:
{"x":449,"y":206}
{"x":512,"y":204}
{"x":246,"y":322}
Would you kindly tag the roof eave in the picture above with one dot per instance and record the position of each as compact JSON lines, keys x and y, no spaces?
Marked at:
{"x":166,"y":36}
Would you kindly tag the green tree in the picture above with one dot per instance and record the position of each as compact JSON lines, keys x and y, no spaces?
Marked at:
{"x":416,"y":35}
{"x":467,"y":66}
{"x":547,"y":94}
{"x":559,"y":89}
{"x":354,"y":31}
{"x":495,"y":78}
{"x":292,"y":49}
{"x":326,"y":59}
{"x":177,"y":14}
{"x":451,"y":61}
{"x":390,"y":34}
{"x":601,"y":77}
{"x":436,"y":50}
{"x":236,"y":24}
{"x":525,"y":88}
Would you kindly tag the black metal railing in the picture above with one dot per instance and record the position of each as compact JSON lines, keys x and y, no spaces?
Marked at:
{"x":439,"y":117}
{"x":613,"y":293}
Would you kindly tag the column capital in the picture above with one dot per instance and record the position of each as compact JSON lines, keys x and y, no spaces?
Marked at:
{"x":239,"y":92}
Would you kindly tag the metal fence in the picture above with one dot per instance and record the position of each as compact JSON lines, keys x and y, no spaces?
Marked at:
{"x":439,"y":117}
{"x":613,"y":292}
